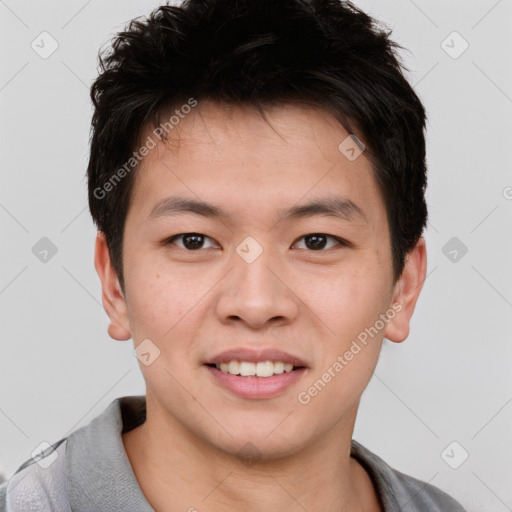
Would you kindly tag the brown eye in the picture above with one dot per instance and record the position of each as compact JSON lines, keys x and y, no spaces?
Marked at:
{"x":319,"y":241}
{"x":190,"y":241}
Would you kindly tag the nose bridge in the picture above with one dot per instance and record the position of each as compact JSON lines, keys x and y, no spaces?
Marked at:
{"x":254,"y":292}
{"x":255,"y":276}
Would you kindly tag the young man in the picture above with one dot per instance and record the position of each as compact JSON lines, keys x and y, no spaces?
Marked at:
{"x":257,"y":176}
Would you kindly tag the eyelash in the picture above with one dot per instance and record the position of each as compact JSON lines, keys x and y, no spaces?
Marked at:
{"x":340,"y":241}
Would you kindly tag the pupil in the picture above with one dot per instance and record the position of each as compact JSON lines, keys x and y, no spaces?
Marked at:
{"x":315,"y":241}
{"x":193,"y":241}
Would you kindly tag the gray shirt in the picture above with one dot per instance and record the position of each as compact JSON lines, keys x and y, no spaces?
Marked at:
{"x":89,"y":471}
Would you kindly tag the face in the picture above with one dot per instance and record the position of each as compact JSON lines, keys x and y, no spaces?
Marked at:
{"x":287,"y":259}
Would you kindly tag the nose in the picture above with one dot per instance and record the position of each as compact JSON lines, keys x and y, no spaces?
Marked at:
{"x":258,"y":293}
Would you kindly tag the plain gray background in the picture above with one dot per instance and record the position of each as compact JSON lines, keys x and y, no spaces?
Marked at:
{"x":449,"y":382}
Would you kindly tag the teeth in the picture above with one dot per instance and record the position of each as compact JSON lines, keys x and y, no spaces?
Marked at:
{"x":265,"y":369}
{"x":233,"y":367}
{"x":247,"y":369}
{"x":260,"y":369}
{"x":279,"y":367}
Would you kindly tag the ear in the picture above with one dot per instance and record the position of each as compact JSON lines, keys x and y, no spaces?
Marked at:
{"x":112,"y":295}
{"x":407,"y":291}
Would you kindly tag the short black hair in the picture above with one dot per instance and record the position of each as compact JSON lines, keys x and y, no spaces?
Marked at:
{"x":258,"y":53}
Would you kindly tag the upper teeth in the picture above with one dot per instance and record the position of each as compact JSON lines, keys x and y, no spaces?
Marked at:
{"x":261,"y":369}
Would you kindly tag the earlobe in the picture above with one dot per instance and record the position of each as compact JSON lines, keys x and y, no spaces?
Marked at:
{"x":112,"y":296}
{"x":407,"y":291}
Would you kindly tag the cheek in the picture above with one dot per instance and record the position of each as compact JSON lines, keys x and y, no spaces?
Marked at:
{"x":348,"y":300}
{"x":158,"y":303}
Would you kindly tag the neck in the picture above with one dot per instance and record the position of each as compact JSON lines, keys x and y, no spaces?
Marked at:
{"x":179,"y":471}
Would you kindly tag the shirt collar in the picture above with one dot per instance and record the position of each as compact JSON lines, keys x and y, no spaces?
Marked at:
{"x":100,"y":476}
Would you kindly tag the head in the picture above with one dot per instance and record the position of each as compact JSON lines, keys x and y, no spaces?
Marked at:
{"x":248,"y":108}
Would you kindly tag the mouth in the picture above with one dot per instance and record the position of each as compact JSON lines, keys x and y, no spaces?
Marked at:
{"x":249,"y":380}
{"x":252,"y":373}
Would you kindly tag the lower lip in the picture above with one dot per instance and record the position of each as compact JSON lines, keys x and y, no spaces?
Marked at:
{"x":256,"y":387}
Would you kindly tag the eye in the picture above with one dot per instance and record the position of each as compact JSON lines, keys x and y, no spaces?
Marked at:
{"x":318,"y":241}
{"x":191,"y":241}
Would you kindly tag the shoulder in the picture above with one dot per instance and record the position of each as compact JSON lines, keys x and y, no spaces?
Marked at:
{"x":399,"y":491}
{"x":422,"y":496}
{"x":39,"y":483}
{"x":71,"y":474}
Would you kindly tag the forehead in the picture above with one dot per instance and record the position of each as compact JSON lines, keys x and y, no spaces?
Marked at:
{"x":243,"y":160}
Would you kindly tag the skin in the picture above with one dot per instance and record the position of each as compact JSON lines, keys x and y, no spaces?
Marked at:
{"x":311,"y":303}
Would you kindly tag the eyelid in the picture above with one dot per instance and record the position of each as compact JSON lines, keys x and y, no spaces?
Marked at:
{"x":172,"y":238}
{"x":341,"y":242}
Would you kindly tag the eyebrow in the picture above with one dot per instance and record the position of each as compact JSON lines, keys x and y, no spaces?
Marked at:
{"x":331,"y":206}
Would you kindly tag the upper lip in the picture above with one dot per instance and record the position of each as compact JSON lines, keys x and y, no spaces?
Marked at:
{"x":252,"y":355}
